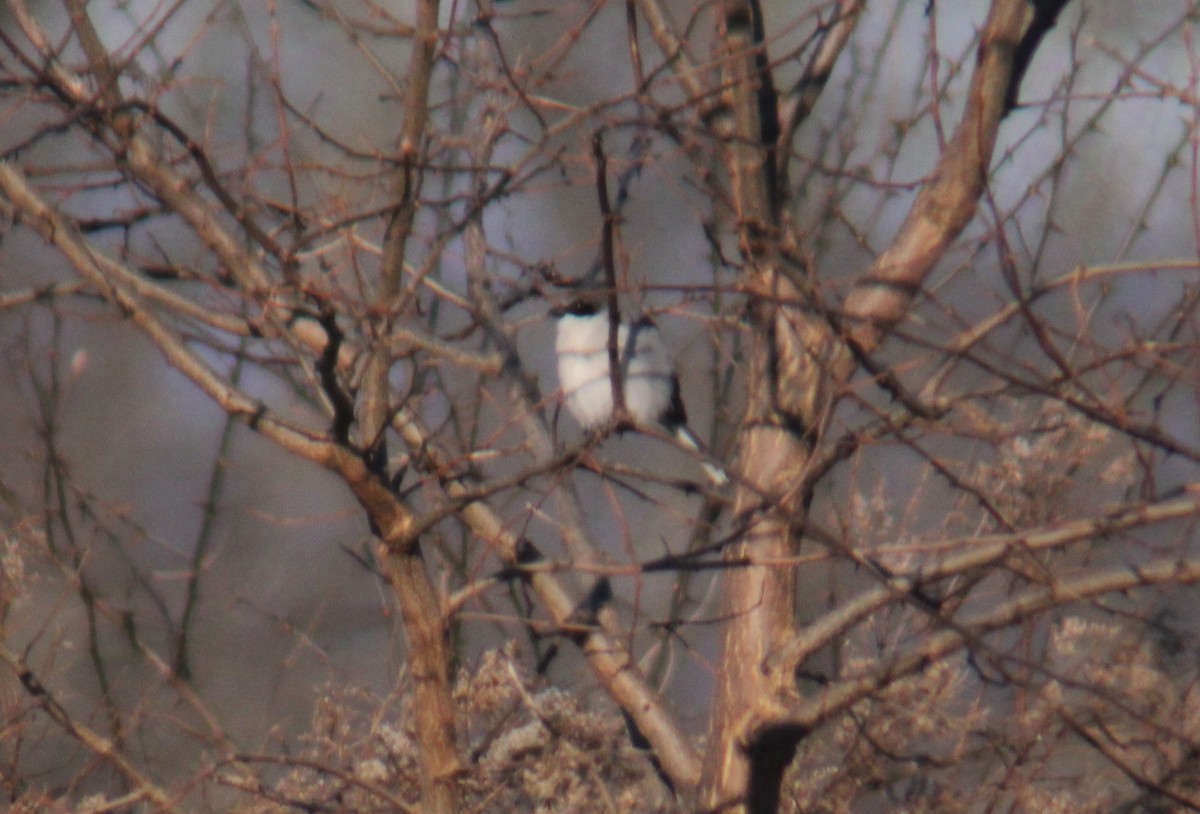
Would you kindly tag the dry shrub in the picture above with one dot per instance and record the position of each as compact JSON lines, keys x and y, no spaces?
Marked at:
{"x":531,"y":748}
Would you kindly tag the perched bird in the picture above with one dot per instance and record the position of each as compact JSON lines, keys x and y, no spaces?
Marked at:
{"x":648,"y":381}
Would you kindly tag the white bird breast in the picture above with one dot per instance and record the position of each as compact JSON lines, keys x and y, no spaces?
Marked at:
{"x":582,"y":347}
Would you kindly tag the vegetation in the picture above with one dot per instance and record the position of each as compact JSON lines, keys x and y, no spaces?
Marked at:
{"x":291,"y":517}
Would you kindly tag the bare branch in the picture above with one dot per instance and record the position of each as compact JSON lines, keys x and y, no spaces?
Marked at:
{"x":947,"y":203}
{"x":97,"y":744}
{"x":799,"y":101}
{"x":1059,"y":592}
{"x":607,"y":656}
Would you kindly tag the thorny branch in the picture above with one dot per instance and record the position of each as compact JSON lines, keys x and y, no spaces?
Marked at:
{"x":406,"y":318}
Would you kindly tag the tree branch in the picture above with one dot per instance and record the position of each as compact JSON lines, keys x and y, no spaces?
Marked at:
{"x":421,"y":609}
{"x":1056,"y":593}
{"x":93,"y":741}
{"x":609,"y":659}
{"x":948,"y":202}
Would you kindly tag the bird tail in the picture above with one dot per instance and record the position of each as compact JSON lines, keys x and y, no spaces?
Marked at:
{"x":688,"y":440}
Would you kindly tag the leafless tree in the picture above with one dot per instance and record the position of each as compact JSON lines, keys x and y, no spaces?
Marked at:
{"x":277,"y":367}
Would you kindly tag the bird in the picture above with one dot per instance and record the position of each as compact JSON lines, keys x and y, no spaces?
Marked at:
{"x":648,"y":381}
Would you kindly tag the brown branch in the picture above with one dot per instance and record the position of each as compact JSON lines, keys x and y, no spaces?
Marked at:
{"x":802,"y":98}
{"x":797,"y":366}
{"x":1035,"y":600}
{"x":948,"y":202}
{"x":292,"y":762}
{"x":672,"y":48}
{"x":177,"y":192}
{"x":93,"y":741}
{"x":609,"y":264}
{"x":600,"y":636}
{"x":609,"y":659}
{"x":375,"y":409}
{"x":41,"y":293}
{"x":957,"y":349}
{"x":421,"y":608}
{"x":96,"y":53}
{"x":1099,"y":742}
{"x":390,"y":519}
{"x":1045,"y":16}
{"x":635,"y":50}
{"x":783,"y":383}
{"x":975,"y":553}
{"x":140,"y":156}
{"x":112,"y":280}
